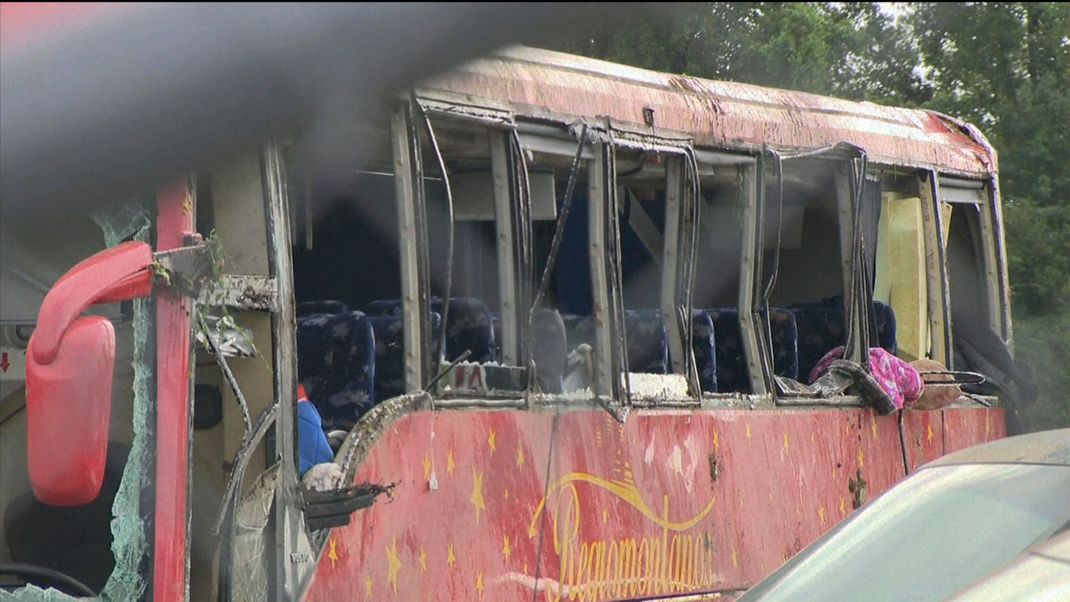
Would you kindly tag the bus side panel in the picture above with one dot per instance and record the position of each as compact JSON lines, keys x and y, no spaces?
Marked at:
{"x":668,"y":502}
{"x":968,"y":427}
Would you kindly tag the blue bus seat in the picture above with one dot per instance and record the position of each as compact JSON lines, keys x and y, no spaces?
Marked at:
{"x":336,"y":363}
{"x":390,"y":353}
{"x":704,"y":348}
{"x":821,"y":329}
{"x":469,"y":328}
{"x":732,"y":373}
{"x":309,"y":308}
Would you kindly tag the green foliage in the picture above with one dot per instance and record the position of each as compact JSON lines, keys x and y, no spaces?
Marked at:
{"x":847,"y":49}
{"x":1002,"y":66}
{"x":1038,"y":251}
{"x":1044,"y":342}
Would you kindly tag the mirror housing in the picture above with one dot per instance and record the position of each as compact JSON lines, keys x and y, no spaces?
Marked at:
{"x":68,"y":410}
{"x":70,"y":363}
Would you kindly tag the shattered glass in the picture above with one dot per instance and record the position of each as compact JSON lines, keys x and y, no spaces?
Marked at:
{"x":129,"y":543}
{"x":249,"y":568}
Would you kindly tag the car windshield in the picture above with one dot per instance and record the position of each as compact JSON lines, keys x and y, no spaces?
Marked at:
{"x":930,"y":537}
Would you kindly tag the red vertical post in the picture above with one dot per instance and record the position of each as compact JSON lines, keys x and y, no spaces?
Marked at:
{"x":174,"y":221}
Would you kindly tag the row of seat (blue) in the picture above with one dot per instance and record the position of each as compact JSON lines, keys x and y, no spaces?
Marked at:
{"x":350,"y":359}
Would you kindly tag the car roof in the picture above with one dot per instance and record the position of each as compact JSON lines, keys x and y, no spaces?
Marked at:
{"x":1046,"y":447}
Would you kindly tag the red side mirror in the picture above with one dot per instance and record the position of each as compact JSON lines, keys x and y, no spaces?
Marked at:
{"x":69,"y":368}
{"x":69,"y":414}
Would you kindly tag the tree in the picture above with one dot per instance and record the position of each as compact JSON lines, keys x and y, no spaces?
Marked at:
{"x":852,"y":50}
{"x":1003,"y":66}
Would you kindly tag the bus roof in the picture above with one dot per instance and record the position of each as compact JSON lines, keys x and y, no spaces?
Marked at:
{"x":723,"y":115}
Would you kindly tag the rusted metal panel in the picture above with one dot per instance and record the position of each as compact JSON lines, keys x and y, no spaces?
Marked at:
{"x":717,"y":114}
{"x":486,"y":508}
{"x":968,"y":427}
{"x":250,"y":292}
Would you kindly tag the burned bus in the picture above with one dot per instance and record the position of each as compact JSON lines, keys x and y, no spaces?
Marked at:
{"x":563,"y":325}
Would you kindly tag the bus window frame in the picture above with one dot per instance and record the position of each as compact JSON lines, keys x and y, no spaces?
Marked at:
{"x":842,"y":160}
{"x":291,"y":535}
{"x":609,"y":367}
{"x":412,"y":235}
{"x":407,"y":147}
{"x":999,"y":252}
{"x":954,"y":190}
{"x":750,"y":325}
{"x":939,"y":291}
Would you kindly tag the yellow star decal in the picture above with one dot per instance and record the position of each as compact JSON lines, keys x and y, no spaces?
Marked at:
{"x":394,"y":564}
{"x":861,"y":458}
{"x":821,"y":513}
{"x":519,"y":457}
{"x":748,"y":432}
{"x":450,"y":464}
{"x":427,"y":468}
{"x":506,"y":550}
{"x":843,"y":506}
{"x":368,"y":587}
{"x":187,"y":203}
{"x":506,"y":493}
{"x":477,"y":492}
{"x":605,"y":516}
{"x":423,"y":560}
{"x":873,"y":424}
{"x":450,"y":558}
{"x":930,"y":435}
{"x":716,"y":440}
{"x":786,"y":445}
{"x":332,"y":552}
{"x":735,"y":557}
{"x":479,"y":583}
{"x":491,"y":441}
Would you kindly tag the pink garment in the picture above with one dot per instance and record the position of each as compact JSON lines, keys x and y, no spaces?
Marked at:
{"x":898,"y":378}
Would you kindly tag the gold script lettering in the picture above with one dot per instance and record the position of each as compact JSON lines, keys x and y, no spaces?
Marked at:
{"x":590,"y":570}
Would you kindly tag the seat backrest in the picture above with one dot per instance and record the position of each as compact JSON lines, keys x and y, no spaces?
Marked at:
{"x":732,"y":373}
{"x":704,"y":347}
{"x":470,"y":327}
{"x":886,"y":334}
{"x":549,"y":349}
{"x":309,"y":308}
{"x":390,"y":353}
{"x":821,"y":329}
{"x":336,"y":363}
{"x":648,"y":341}
{"x":784,"y":332}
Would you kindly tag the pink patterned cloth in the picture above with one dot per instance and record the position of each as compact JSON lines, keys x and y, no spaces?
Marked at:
{"x":898,"y":378}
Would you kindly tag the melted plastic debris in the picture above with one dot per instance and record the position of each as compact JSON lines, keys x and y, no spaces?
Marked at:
{"x":659,"y":386}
